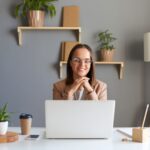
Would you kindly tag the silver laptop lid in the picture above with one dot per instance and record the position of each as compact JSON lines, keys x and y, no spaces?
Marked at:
{"x":79,"y":119}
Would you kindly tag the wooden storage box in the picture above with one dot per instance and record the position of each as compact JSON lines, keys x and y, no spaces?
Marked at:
{"x":139,"y":134}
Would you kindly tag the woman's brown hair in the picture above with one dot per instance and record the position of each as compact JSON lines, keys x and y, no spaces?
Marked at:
{"x":91,"y":73}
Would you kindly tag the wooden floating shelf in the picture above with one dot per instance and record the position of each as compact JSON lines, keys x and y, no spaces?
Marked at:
{"x":20,"y":29}
{"x":120,"y":64}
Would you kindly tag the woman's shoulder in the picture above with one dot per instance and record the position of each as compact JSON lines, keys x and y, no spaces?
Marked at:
{"x":100,"y":83}
{"x":60,"y":83}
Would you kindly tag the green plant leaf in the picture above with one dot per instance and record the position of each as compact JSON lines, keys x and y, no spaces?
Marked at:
{"x":26,"y":5}
{"x":4,"y":115}
{"x":105,"y":40}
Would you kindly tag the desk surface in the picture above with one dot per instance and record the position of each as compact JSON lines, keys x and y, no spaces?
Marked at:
{"x":114,"y":143}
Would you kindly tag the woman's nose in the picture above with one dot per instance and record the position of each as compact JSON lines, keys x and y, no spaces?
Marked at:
{"x":82,"y":63}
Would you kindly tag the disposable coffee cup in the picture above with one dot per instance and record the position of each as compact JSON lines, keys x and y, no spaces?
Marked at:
{"x":25,"y":123}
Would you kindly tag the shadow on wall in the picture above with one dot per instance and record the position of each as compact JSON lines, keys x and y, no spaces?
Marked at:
{"x":14,"y":33}
{"x":97,"y":55}
{"x":23,"y":20}
{"x":55,"y":65}
{"x":134,"y":51}
{"x":140,"y":115}
{"x":19,"y":21}
{"x":148,"y":119}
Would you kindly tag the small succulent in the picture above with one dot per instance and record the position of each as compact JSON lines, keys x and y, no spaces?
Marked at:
{"x":4,"y":114}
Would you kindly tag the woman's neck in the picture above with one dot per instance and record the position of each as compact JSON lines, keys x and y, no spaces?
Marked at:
{"x":76,"y":77}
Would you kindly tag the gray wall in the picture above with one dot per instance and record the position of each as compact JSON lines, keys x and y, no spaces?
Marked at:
{"x":147,"y":87}
{"x":28,"y":72}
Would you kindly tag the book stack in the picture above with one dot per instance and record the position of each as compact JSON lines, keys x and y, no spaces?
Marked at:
{"x":70,"y":19}
{"x":66,"y":48}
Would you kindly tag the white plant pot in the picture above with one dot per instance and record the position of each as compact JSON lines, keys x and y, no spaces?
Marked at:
{"x":3,"y":127}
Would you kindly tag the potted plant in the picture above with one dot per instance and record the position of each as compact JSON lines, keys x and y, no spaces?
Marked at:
{"x":4,"y":117}
{"x":35,"y":11}
{"x":106,"y":47}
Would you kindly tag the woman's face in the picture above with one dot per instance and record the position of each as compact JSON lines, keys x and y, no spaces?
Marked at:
{"x":80,"y":63}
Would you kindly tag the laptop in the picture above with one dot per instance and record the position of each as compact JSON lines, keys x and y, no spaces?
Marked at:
{"x":79,"y":119}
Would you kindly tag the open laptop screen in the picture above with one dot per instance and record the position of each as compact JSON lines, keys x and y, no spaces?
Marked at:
{"x":79,"y":119}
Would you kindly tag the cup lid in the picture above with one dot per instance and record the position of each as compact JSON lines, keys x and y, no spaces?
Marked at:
{"x":25,"y":116}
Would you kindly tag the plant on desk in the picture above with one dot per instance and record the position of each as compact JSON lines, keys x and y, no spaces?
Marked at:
{"x":4,"y":117}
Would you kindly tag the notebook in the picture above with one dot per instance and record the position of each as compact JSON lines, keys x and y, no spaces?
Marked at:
{"x":79,"y":119}
{"x":66,"y":48}
{"x":71,"y":16}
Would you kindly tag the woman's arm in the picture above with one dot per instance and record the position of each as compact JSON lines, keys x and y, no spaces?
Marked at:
{"x":60,"y":94}
{"x":102,"y":94}
{"x":56,"y":93}
{"x":99,"y":92}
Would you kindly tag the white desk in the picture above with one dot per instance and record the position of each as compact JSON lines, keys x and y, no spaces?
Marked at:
{"x":114,"y":143}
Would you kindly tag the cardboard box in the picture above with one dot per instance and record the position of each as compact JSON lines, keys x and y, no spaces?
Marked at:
{"x":71,"y":16}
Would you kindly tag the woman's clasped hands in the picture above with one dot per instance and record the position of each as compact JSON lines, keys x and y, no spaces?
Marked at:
{"x":79,"y":84}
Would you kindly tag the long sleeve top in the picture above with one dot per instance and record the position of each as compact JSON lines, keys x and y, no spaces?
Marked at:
{"x":99,"y":91}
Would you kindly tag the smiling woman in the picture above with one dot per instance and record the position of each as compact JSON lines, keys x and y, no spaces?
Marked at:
{"x":80,"y":83}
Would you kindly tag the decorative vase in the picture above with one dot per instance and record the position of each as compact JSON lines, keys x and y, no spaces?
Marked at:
{"x":106,"y":55}
{"x":36,"y":18}
{"x":3,"y":127}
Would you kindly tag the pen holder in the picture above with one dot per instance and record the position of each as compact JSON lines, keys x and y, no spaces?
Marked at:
{"x":139,"y":135}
